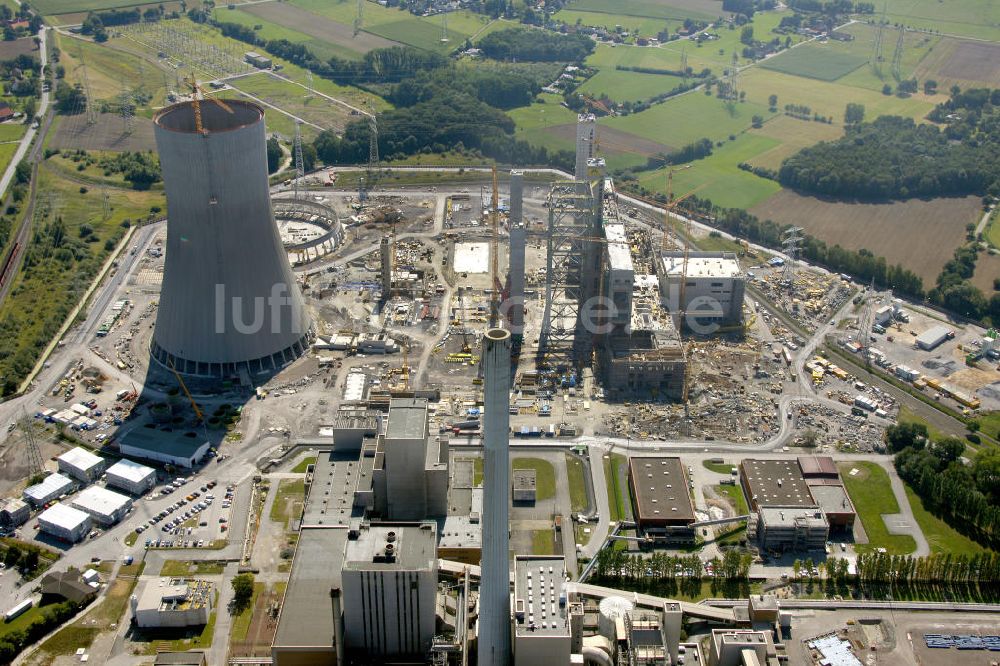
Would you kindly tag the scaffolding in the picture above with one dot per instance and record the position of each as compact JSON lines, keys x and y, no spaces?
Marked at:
{"x":562,"y":341}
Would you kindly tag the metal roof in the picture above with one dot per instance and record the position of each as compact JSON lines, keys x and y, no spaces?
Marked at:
{"x":53,"y":484}
{"x":661,"y":487}
{"x":64,"y":516}
{"x":130,"y":470}
{"x":101,"y":501}
{"x":407,"y":418}
{"x":775,"y":483}
{"x":81,"y":458}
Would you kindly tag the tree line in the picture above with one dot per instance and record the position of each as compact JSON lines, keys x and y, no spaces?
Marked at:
{"x":614,"y":564}
{"x":982,"y":568}
{"x":897,"y":158}
{"x":525,"y":44}
{"x":967,"y":497}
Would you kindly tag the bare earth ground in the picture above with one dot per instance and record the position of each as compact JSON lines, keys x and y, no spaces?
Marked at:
{"x":319,"y":27}
{"x":962,"y":62}
{"x":107,"y":133}
{"x":10,"y":50}
{"x":920,"y":235}
{"x":613,"y":140}
{"x":987,"y":268}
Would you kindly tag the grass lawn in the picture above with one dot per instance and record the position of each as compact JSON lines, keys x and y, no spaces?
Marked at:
{"x":241,"y":622}
{"x":131,"y":538}
{"x":477,"y":471}
{"x":907,"y":415}
{"x":989,"y":423}
{"x":941,"y":537}
{"x":992,"y":232}
{"x":717,"y":177}
{"x":187,"y":568}
{"x":545,"y":476}
{"x":872,"y":496}
{"x":112,"y":65}
{"x":288,"y":502}
{"x":736,"y":498}
{"x":815,"y":61}
{"x":617,"y":502}
{"x":301,"y":468}
{"x":718,"y":468}
{"x":577,"y":484}
{"x":83,"y":631}
{"x":629,"y":86}
{"x":543,"y":542}
{"x":12,"y":131}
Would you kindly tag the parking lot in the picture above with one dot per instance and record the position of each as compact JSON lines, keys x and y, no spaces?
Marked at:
{"x":198,"y":518}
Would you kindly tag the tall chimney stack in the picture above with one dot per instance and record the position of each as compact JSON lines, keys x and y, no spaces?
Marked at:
{"x":494,"y":589}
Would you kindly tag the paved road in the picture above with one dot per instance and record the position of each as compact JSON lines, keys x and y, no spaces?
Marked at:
{"x":29,"y":136}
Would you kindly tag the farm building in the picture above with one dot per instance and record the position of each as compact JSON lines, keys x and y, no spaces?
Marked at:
{"x":81,"y":464}
{"x":104,"y":506}
{"x":13,"y":513}
{"x":131,"y":477}
{"x":52,"y":487}
{"x":64,"y":522}
{"x":660,"y":499}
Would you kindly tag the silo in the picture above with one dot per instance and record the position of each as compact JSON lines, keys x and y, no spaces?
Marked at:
{"x":611,"y":610}
{"x":229,"y":302}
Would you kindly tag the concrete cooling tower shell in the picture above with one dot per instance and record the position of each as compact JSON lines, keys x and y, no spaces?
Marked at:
{"x":229,"y":301}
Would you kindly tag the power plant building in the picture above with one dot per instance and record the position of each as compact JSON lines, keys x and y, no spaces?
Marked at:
{"x":714,"y":289}
{"x":518,"y":239}
{"x":411,"y":475}
{"x":64,"y":522}
{"x":542,"y":632}
{"x":389,"y":580}
{"x":229,"y":304}
{"x":81,"y":464}
{"x":104,"y":506}
{"x":131,"y":477}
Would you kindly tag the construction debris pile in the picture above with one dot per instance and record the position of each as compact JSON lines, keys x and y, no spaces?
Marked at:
{"x":811,"y":299}
{"x":823,"y":426}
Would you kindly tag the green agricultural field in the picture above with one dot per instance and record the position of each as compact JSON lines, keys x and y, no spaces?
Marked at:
{"x":826,"y":98}
{"x":293,"y":100}
{"x":814,"y":61}
{"x":608,"y":57}
{"x":111,"y":65}
{"x":717,"y":177}
{"x":687,"y":118}
{"x":46,"y":7}
{"x":676,"y":9}
{"x":918,"y":48}
{"x":646,"y":27}
{"x":872,"y":495}
{"x":794,"y":135}
{"x":629,"y":86}
{"x":323,"y":49}
{"x":969,"y":18}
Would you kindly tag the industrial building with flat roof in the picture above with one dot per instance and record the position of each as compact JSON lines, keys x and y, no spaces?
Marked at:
{"x":13,"y":513}
{"x":411,"y":475}
{"x":51,"y":488}
{"x":713,"y":290}
{"x":104,"y":506}
{"x":541,"y":613}
{"x":64,"y":522}
{"x":173,"y":603}
{"x":792,"y":528}
{"x":774,"y":483}
{"x":81,"y":464}
{"x":661,"y":502}
{"x":166,"y":447}
{"x":395,"y":564}
{"x":131,"y":477}
{"x":523,"y":486}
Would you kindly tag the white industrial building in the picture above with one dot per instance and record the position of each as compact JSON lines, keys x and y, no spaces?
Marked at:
{"x":620,"y":274}
{"x":414,"y":468}
{"x":541,"y":615}
{"x":104,"y":506}
{"x":933,"y":337}
{"x":173,"y":603}
{"x":81,"y":464}
{"x":169,"y":448}
{"x":51,"y":488}
{"x":13,"y":513}
{"x":64,"y":522}
{"x":131,"y":477}
{"x":396,"y":565}
{"x":713,"y":291}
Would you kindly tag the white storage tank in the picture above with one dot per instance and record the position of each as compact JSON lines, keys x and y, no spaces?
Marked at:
{"x":611,"y":610}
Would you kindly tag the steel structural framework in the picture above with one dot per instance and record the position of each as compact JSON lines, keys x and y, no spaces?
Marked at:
{"x":570,"y":274}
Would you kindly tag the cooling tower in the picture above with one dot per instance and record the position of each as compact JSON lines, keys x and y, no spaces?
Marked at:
{"x":494,"y":586}
{"x":229,"y":301}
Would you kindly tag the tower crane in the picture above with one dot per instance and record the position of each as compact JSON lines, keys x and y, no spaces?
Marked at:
{"x":671,"y":204}
{"x":197,"y":90}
